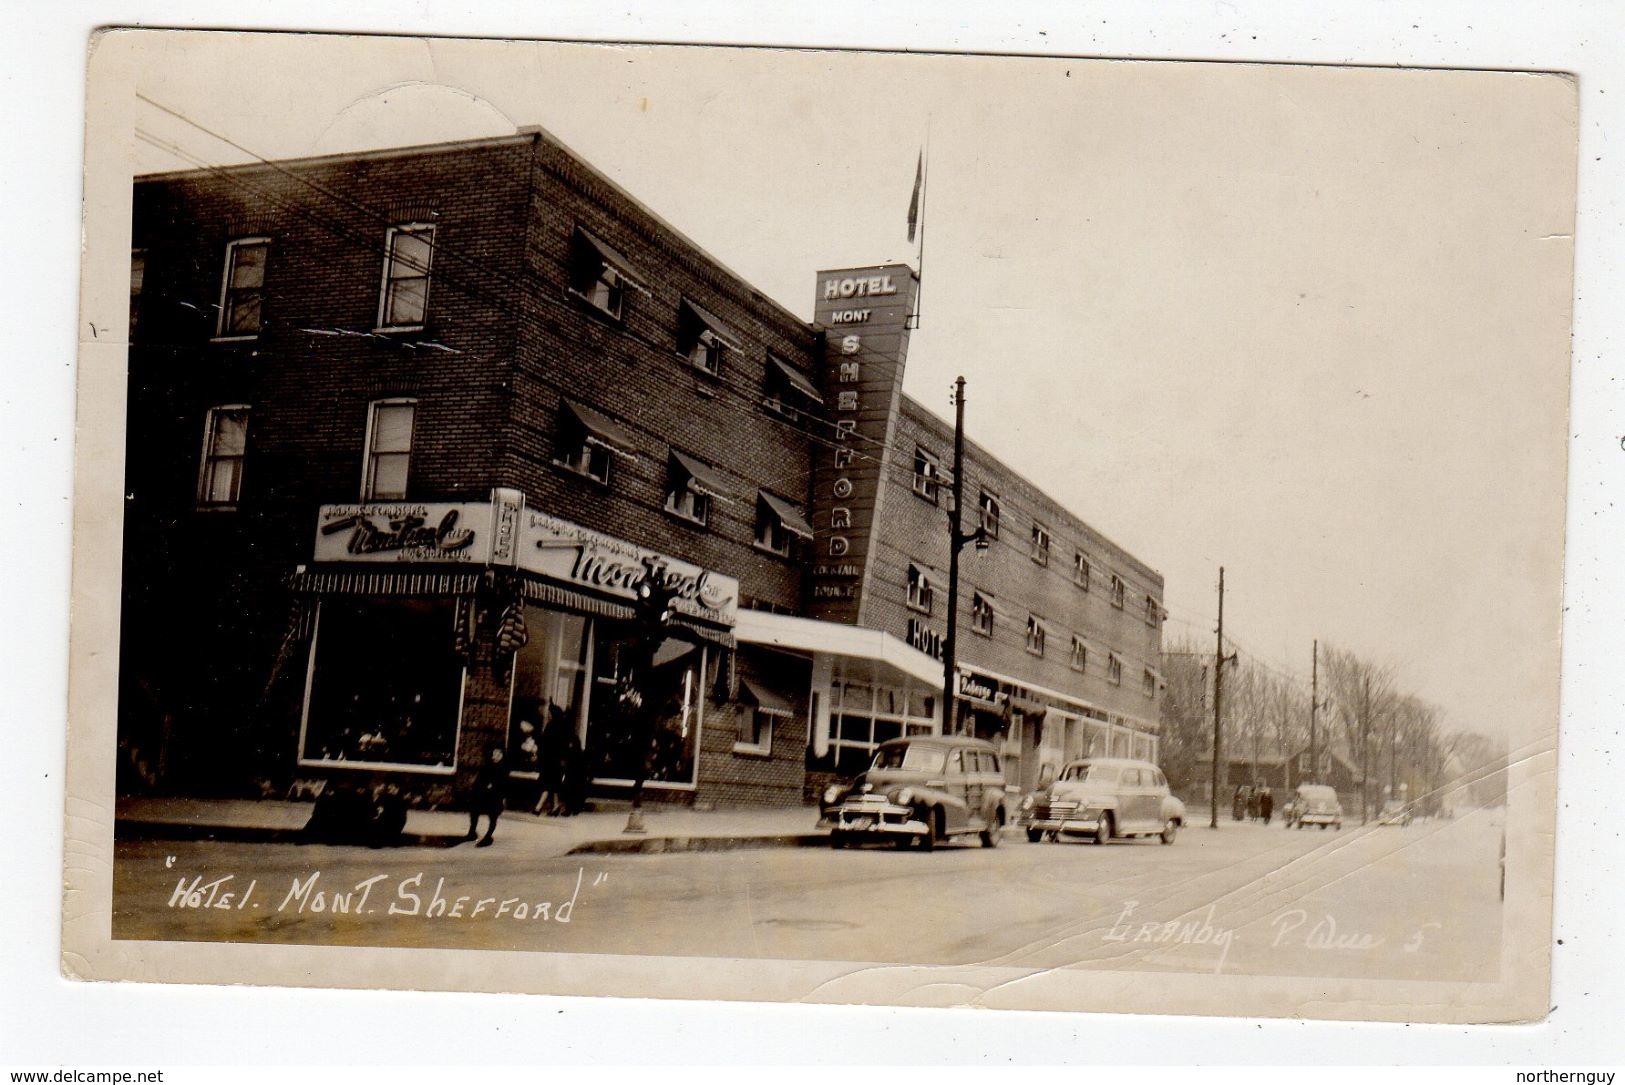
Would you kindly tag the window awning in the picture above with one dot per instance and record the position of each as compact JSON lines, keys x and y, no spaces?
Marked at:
{"x":765,"y":699}
{"x":788,"y":515}
{"x":793,"y":377}
{"x":702,"y":479}
{"x":610,"y":434}
{"x":710,"y":320}
{"x":608,"y":255}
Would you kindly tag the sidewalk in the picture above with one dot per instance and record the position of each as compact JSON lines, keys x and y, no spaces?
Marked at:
{"x":669,"y":828}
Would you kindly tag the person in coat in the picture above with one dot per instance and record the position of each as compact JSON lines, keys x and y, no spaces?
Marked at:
{"x":490,"y":786}
{"x":1266,"y":804}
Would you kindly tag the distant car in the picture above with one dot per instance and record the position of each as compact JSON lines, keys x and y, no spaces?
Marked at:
{"x":923,"y":790}
{"x":1394,"y":813}
{"x":1102,"y":798}
{"x":1313,"y":804}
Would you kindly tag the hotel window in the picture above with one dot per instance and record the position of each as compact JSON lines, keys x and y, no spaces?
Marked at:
{"x":138,"y":272}
{"x":225,"y":441}
{"x":403,"y":303}
{"x":981,"y":614}
{"x":690,"y":488}
{"x":763,"y":707}
{"x":778,"y":523}
{"x":786,"y":391}
{"x":1080,"y":570}
{"x":1114,"y":669}
{"x":599,"y":275}
{"x":702,"y":338}
{"x":988,"y":505}
{"x":1151,"y":610}
{"x":1035,"y":635}
{"x":1148,"y":682}
{"x":1040,"y":551}
{"x":587,"y":441}
{"x":1117,"y":591}
{"x":242,"y":288}
{"x":927,"y":474}
{"x":389,"y":449}
{"x":1080,"y":655}
{"x":921,"y":596}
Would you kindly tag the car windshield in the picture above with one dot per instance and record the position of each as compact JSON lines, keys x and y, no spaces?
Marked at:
{"x":912,"y":757}
{"x":1316,"y":794}
{"x":1094,"y":774}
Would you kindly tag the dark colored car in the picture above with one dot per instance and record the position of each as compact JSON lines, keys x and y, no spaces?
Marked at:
{"x":924,"y":790}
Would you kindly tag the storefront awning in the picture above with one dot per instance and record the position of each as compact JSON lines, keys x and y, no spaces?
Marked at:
{"x":764,"y":698}
{"x":550,"y":594}
{"x":710,"y":320}
{"x":788,"y":515}
{"x":702,"y":479}
{"x":373,"y":582}
{"x":793,"y":634}
{"x":794,"y":377}
{"x":601,"y":430}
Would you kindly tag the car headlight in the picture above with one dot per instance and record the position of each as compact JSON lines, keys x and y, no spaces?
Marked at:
{"x":832,"y":794}
{"x":903,"y":796}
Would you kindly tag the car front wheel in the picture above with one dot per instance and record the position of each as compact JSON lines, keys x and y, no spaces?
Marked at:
{"x":1103,"y":831}
{"x":1169,"y":831}
{"x":1034,"y":835}
{"x":994,"y":830}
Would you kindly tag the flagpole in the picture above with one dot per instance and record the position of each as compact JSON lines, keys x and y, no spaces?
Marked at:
{"x":925,"y":180}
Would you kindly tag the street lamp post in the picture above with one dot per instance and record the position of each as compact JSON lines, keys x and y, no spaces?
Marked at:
{"x":957,"y":541}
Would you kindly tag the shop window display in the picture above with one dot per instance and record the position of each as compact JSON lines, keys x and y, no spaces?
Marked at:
{"x":386,"y":685}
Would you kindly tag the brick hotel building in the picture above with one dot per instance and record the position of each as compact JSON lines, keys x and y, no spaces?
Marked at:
{"x":407,"y":429}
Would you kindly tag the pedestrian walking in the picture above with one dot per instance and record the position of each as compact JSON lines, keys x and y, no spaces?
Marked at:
{"x":490,"y":786}
{"x":1266,"y":804}
{"x":1252,"y":804}
{"x":1238,"y":805}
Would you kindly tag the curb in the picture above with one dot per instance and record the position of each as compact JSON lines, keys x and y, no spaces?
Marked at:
{"x":657,"y":845}
{"x":253,"y":834}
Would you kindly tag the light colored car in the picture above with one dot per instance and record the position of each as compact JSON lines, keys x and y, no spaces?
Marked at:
{"x":1103,"y":798}
{"x":926,"y":790}
{"x":1314,"y":804}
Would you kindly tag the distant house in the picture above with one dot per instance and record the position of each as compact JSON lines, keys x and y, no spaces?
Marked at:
{"x":1278,"y":773}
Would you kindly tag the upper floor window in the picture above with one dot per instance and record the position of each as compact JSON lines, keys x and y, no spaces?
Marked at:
{"x":1152,"y":611}
{"x":927,"y":474}
{"x":1035,"y":635}
{"x":403,"y":303}
{"x":1148,"y":682}
{"x":988,"y":504}
{"x":588,"y":440}
{"x":242,"y":288}
{"x":1117,"y":591}
{"x":1040,"y":549}
{"x":921,"y":595}
{"x":779,"y":523}
{"x":389,"y":449}
{"x":690,"y":488}
{"x":1080,"y":570}
{"x":225,"y":442}
{"x":702,"y":338}
{"x":138,"y":272}
{"x":599,"y":275}
{"x":1114,"y":669}
{"x":981,"y":614}
{"x":786,"y":390}
{"x":1080,"y":654}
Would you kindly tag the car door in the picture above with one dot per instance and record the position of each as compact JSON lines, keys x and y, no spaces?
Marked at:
{"x":1135,"y":800}
{"x":975,"y":787}
{"x":958,"y":781}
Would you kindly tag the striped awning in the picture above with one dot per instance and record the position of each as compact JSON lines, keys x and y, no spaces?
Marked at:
{"x":375,"y":582}
{"x":702,"y":479}
{"x":598,"y":428}
{"x":710,"y":320}
{"x":794,"y":378}
{"x":788,"y":515}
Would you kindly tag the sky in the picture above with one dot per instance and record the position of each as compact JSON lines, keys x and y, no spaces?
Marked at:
{"x":1306,"y":323}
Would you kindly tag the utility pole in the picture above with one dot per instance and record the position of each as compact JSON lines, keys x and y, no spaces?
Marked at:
{"x":1365,"y":750}
{"x":957,"y":539}
{"x":1220,"y":776}
{"x":1314,"y":709}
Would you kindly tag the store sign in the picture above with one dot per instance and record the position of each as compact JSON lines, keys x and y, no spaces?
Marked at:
{"x":566,"y":552}
{"x":979,"y":688}
{"x":404,"y":532}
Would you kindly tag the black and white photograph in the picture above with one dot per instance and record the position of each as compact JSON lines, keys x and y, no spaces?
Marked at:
{"x":820,"y":525}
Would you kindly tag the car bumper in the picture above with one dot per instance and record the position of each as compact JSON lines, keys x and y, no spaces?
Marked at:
{"x":1083,"y":821}
{"x":877,"y":818}
{"x":1319,"y":819}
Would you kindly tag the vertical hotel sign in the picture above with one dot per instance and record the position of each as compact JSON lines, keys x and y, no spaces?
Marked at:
{"x":865,"y":314}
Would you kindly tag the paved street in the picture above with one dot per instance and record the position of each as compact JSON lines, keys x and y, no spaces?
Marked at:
{"x":1417,"y":902}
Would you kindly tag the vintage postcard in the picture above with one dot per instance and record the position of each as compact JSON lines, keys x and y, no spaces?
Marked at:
{"x":829,"y":526}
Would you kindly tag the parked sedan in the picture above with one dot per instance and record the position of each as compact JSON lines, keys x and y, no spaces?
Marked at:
{"x":1102,"y":798}
{"x":1314,"y":804}
{"x":926,"y":790}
